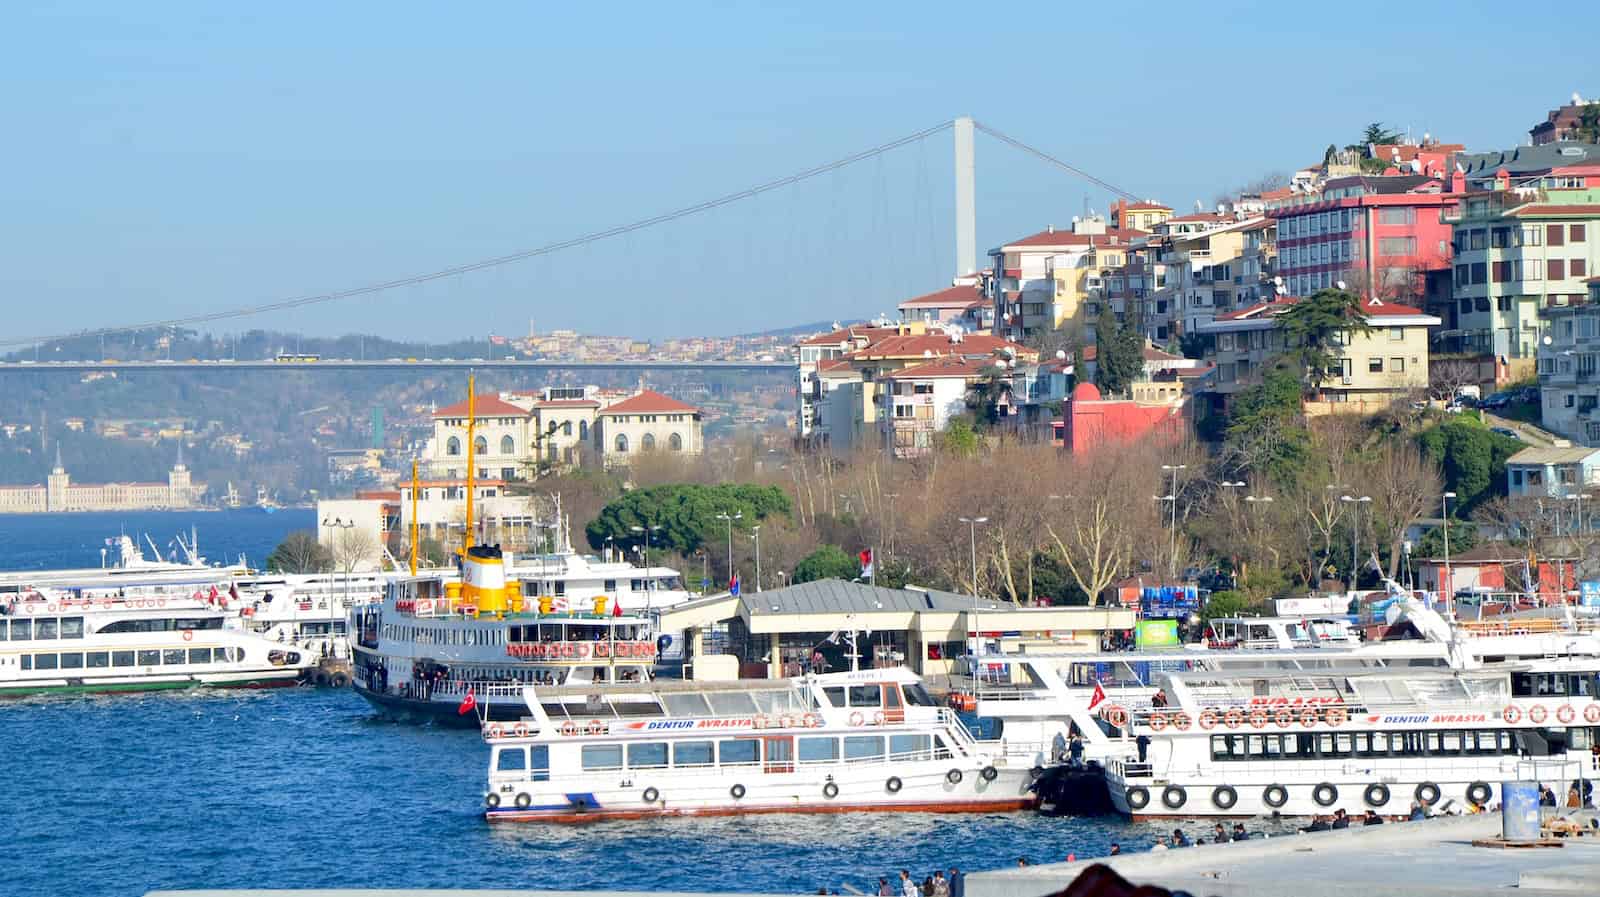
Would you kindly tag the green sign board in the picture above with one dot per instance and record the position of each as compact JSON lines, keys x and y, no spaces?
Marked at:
{"x":1156,"y":633}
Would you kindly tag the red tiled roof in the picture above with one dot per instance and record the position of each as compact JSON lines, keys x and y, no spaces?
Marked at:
{"x":835,"y":337}
{"x":941,"y":367}
{"x":489,"y":405}
{"x":650,"y":402}
{"x":938,"y":344}
{"x":832,"y":364}
{"x":1068,"y":238}
{"x":1548,"y":209}
{"x":949,"y":297}
{"x":1143,"y":206}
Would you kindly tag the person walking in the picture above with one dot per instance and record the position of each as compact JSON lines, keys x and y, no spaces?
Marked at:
{"x":883,"y":888}
{"x":1143,"y":744}
{"x":958,"y":883}
{"x":908,"y":887}
{"x":941,"y":887}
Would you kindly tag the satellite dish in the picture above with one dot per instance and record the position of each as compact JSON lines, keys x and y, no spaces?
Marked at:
{"x":1547,"y":339}
{"x":1061,"y":354}
{"x":1339,"y":284}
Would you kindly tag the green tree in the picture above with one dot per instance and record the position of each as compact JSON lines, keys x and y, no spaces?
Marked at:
{"x":959,"y":438}
{"x":1589,"y":122}
{"x":1315,"y":325}
{"x":1195,"y":345}
{"x":1463,"y":535}
{"x":1226,"y":604}
{"x":1472,"y":459}
{"x":1377,"y":134}
{"x":987,"y":393}
{"x":1119,"y":355}
{"x":827,"y":562}
{"x":687,"y":514}
{"x":299,"y":552}
{"x":1265,"y":431}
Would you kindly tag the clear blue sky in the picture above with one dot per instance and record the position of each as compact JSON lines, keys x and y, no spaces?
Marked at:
{"x":168,"y":158}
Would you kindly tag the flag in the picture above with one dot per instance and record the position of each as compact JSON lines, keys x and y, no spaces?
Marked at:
{"x":1098,"y":696}
{"x":866,"y":563}
{"x":616,"y":607}
{"x":733,"y":585}
{"x":467,"y":703}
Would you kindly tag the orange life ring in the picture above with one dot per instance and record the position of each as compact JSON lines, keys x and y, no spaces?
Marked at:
{"x":1157,"y":721}
{"x":1284,"y":718}
{"x":494,"y":731}
{"x":1208,"y":718}
{"x":1258,"y":719}
{"x":759,"y":721}
{"x":583,"y":651}
{"x":1181,"y":721}
{"x":521,"y":730}
{"x":1308,"y":716}
{"x":188,"y":635}
{"x":1116,"y":716}
{"x":877,"y":718}
{"x":1537,"y":714}
{"x":1336,"y":716}
{"x":1511,"y":715}
{"x":1233,"y":718}
{"x":601,"y":650}
{"x":856,"y":718}
{"x":569,"y":728}
{"x":161,"y":602}
{"x":1565,"y":714}
{"x":50,"y":608}
{"x":811,"y":721}
{"x":595,"y":727}
{"x":1591,"y":713}
{"x":567,"y":650}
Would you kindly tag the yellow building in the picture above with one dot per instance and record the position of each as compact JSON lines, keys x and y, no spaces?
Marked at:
{"x":1143,"y":215}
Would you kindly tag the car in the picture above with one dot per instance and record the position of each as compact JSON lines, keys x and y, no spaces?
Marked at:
{"x":1507,"y":432}
{"x":1497,"y":400}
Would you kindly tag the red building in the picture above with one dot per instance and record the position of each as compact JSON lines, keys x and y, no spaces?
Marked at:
{"x":1089,"y":421}
{"x":1492,"y":566}
{"x":1382,"y":235}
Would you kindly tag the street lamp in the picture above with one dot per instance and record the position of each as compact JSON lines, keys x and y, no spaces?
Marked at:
{"x":1172,"y":552}
{"x":1449,"y":588}
{"x":755,"y":533}
{"x":972,"y":533}
{"x":737,"y":516}
{"x":1355,"y":537}
{"x":649,"y":578}
{"x":344,"y":562}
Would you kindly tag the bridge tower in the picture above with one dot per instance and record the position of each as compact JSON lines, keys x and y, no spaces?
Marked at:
{"x":966,"y":199}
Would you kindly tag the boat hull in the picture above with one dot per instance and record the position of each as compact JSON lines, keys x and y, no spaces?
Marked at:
{"x":1337,"y":792}
{"x":443,"y":713}
{"x":28,"y":690}
{"x":567,"y":815}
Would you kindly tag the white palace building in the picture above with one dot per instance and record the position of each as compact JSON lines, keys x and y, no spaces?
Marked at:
{"x":59,"y":493}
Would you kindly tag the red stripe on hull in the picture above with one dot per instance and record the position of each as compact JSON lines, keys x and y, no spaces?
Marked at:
{"x":987,"y":806}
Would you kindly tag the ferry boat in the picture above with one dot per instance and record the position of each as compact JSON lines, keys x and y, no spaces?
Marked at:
{"x":434,"y":639}
{"x":68,"y":644}
{"x":828,"y":743}
{"x":1243,"y":744}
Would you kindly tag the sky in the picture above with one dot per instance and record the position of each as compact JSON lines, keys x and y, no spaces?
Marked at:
{"x":168,"y":159}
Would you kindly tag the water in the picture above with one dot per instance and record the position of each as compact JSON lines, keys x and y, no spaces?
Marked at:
{"x":307,"y":788}
{"x":40,"y":541}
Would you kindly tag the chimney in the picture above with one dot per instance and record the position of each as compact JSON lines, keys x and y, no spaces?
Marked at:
{"x":1050,"y":228}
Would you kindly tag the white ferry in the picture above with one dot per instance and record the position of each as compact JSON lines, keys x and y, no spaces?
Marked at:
{"x":309,"y":610}
{"x":1243,"y":744}
{"x":434,"y":639}
{"x":70,"y":644}
{"x":830,"y":743}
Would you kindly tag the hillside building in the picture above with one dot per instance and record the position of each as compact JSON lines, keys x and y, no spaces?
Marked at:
{"x":59,"y":493}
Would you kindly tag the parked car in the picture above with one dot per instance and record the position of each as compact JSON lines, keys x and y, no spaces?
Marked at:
{"x":1506,"y":431}
{"x":1497,"y":400}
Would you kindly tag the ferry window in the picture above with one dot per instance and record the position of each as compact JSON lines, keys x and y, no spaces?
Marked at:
{"x":27,"y":661}
{"x":611,"y":585}
{"x":149,"y":658}
{"x":891,"y":697}
{"x":44,"y":629}
{"x":692,"y":753}
{"x":863,"y":747}
{"x":44,"y":661}
{"x":199,"y":655}
{"x":818,"y":749}
{"x":1450,"y":742}
{"x":739,"y":751}
{"x":731,"y":703}
{"x":917,"y":696}
{"x":510,"y":759}
{"x":602,"y":756}
{"x":72,"y":627}
{"x":865,"y":696}
{"x":2,"y":630}
{"x":908,"y":746}
{"x":21,"y":629}
{"x":172,"y":656}
{"x":541,"y":763}
{"x":1522,"y":685}
{"x":1365,"y":747}
{"x":99,"y":659}
{"x":1581,"y":684}
{"x":686,"y":705}
{"x":72,"y":660}
{"x":122,"y":658}
{"x":1219,"y":747}
{"x":647,"y":755}
{"x":835,"y":695}
{"x":940,"y":752}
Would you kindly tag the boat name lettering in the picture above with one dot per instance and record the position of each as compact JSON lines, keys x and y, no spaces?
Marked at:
{"x":1409,"y":718}
{"x":1294,"y":702}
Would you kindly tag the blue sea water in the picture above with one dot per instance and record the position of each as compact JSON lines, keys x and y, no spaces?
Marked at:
{"x":303,"y":787}
{"x":41,"y":541}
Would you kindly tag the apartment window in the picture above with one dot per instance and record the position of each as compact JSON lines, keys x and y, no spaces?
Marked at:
{"x":1555,"y":269}
{"x":1554,"y":234}
{"x":1532,"y":236}
{"x":1398,"y":246}
{"x":1480,"y":272}
{"x":1374,"y":365}
{"x":1569,"y":398}
{"x":1397,"y":365}
{"x":1575,"y":233}
{"x":1501,"y":272}
{"x":1503,"y":303}
{"x":1532,"y":271}
{"x":1397,"y":334}
{"x":1461,"y":275}
{"x":1398,"y":216}
{"x":1466,"y":306}
{"x":1577,"y":268}
{"x":1475,"y":239}
{"x":1500,"y":238}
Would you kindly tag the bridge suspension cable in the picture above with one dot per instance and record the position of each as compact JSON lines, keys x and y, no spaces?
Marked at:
{"x":1041,"y":154}
{"x":496,"y":261}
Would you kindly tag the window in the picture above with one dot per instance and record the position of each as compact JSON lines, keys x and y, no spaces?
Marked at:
{"x":1531,"y":235}
{"x":511,"y":759}
{"x":1398,"y":246}
{"x":1400,"y":216}
{"x":508,"y":446}
{"x":45,"y":629}
{"x":96,"y":660}
{"x":863,"y":747}
{"x":1576,"y":233}
{"x":1475,"y":239}
{"x":865,"y":696}
{"x":199,"y":655}
{"x":818,"y":749}
{"x":622,"y":443}
{"x":72,"y":660}
{"x":44,"y":661}
{"x":1480,"y":272}
{"x":1554,"y":235}
{"x":481,"y":445}
{"x":1500,"y":238}
{"x":602,"y":756}
{"x":1502,"y":272}
{"x":172,"y":657}
{"x":453,"y":446}
{"x":1397,"y":334}
{"x":1397,"y":365}
{"x":675,"y":442}
{"x":1575,"y":268}
{"x":21,"y":630}
{"x":908,"y":746}
{"x":1374,"y":365}
{"x":693,"y":753}
{"x":149,"y":658}
{"x":739,"y":751}
{"x":1555,"y":269}
{"x":647,"y":755}
{"x":647,"y":442}
{"x":122,"y":658}
{"x":72,"y":627}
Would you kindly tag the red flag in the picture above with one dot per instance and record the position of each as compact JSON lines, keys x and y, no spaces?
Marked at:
{"x":1098,"y":696}
{"x":469,"y":702}
{"x":616,"y":607}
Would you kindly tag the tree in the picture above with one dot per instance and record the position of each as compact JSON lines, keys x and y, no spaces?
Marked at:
{"x":1377,"y":134}
{"x":1404,"y":485}
{"x":354,"y":548}
{"x":1119,"y":355}
{"x":1315,"y":326}
{"x":827,"y":562}
{"x":989,"y":394}
{"x":959,"y":439}
{"x":1472,"y":459}
{"x":1265,"y":432}
{"x":1589,"y":122}
{"x":687,"y":514}
{"x":1094,"y":534}
{"x":299,"y":552}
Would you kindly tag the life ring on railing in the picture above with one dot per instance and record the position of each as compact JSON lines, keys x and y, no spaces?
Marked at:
{"x":600,"y":650}
{"x":567,"y":650}
{"x":759,"y":721}
{"x":1511,"y":715}
{"x":1376,"y":795}
{"x":1116,"y":716}
{"x":569,"y":728}
{"x":1591,"y":713}
{"x":1258,"y":719}
{"x":583,"y":651}
{"x":161,"y":602}
{"x":1181,"y":721}
{"x":595,"y":727}
{"x":1284,"y":718}
{"x":50,"y":608}
{"x":1233,"y":718}
{"x":520,"y":730}
{"x":877,"y":718}
{"x":1565,"y":714}
{"x":1336,"y":716}
{"x":1308,"y":717}
{"x":188,"y":635}
{"x":1208,"y":719}
{"x":493,"y":731}
{"x":810,"y":720}
{"x":1537,"y":714}
{"x":855,"y":718}
{"x":1157,"y":721}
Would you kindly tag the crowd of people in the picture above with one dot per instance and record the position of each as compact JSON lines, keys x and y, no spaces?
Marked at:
{"x":936,"y":884}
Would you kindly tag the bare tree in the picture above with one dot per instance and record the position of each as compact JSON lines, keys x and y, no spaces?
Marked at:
{"x":1094,"y":534}
{"x":1404,"y":485}
{"x":354,"y":548}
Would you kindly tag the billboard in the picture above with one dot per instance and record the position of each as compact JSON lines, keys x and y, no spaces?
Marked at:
{"x":1156,"y":633}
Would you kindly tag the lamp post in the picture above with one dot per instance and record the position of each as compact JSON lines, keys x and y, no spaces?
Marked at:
{"x":649,"y":580}
{"x":891,"y":496}
{"x":344,"y":562}
{"x":1449,"y":588}
{"x":737,"y":516}
{"x":972,"y":534}
{"x":1355,"y":536}
{"x":755,"y":534}
{"x":1172,"y":552}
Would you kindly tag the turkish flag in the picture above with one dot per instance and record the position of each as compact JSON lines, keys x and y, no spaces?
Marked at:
{"x":1098,"y":696}
{"x":471,"y":701}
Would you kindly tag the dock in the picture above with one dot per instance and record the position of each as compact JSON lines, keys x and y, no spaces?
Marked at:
{"x":1432,"y":858}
